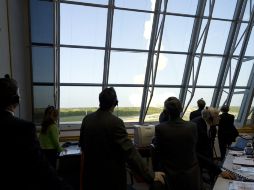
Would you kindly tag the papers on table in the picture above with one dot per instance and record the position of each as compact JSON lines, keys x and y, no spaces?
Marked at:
{"x":243,"y":160}
{"x":239,"y":185}
{"x":236,"y":153}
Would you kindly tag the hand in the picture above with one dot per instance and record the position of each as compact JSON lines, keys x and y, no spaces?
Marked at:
{"x":227,"y":175}
{"x":159,"y":176}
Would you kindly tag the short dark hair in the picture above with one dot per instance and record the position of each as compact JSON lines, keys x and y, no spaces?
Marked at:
{"x":201,"y":103}
{"x":174,"y":108}
{"x":9,"y":92}
{"x":108,"y":98}
{"x":224,"y":108}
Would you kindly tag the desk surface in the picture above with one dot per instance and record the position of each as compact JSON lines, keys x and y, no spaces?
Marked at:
{"x":73,"y":150}
{"x":223,"y":184}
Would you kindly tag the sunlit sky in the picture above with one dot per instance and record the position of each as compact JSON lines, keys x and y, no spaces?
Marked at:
{"x":86,"y":26}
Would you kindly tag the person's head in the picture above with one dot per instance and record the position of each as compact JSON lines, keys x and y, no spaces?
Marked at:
{"x":108,"y":99}
{"x":201,"y":103}
{"x":9,"y":95}
{"x":224,"y":109}
{"x":50,"y":116}
{"x":174,"y":108}
{"x":210,"y":115}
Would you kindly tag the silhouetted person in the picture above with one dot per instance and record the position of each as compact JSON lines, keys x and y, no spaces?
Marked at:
{"x":106,"y":148}
{"x":227,"y":132}
{"x":201,"y":104}
{"x":206,"y":125}
{"x":23,"y":164}
{"x":164,"y":115}
{"x":49,"y":135}
{"x":175,"y":150}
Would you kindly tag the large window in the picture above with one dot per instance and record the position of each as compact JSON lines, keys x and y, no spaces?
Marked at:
{"x":148,"y":50}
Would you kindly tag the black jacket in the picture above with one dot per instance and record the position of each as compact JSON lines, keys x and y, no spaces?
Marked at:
{"x":106,"y":147}
{"x":175,"y":154}
{"x":23,"y":166}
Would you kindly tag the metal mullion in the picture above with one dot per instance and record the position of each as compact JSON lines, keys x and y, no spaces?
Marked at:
{"x":108,"y":43}
{"x":84,"y":4}
{"x":206,"y":29}
{"x":228,"y":52}
{"x":150,"y":60}
{"x":193,"y":43}
{"x":160,"y":34}
{"x":247,"y":100}
{"x":241,"y":56}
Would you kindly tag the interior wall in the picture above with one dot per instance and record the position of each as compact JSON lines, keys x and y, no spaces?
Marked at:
{"x":15,"y":50}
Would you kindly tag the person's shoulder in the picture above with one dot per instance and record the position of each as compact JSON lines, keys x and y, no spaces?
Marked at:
{"x":23,"y":122}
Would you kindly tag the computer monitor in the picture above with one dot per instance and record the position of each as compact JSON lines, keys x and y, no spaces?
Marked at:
{"x":143,"y":135}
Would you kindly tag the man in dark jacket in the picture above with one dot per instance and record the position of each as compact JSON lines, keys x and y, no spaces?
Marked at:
{"x":106,"y":148}
{"x":227,"y":131}
{"x":175,"y":150}
{"x":23,"y":164}
{"x":201,"y":104}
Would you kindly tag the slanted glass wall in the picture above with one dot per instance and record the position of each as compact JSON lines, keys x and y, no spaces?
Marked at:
{"x":148,"y":50}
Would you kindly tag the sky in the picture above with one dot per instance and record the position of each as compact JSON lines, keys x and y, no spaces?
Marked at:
{"x":82,"y":25}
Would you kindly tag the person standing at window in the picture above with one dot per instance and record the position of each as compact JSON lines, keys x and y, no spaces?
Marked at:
{"x":106,"y":149}
{"x":175,"y":149}
{"x":49,"y":135}
{"x":227,"y":131}
{"x":201,"y":105}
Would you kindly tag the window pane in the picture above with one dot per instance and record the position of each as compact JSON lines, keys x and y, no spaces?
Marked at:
{"x":81,"y":25}
{"x":205,"y":93}
{"x":217,"y":37}
{"x":81,"y":65}
{"x":183,"y":6}
{"x":129,"y":102}
{"x":127,"y":68}
{"x":76,"y":102}
{"x":140,"y":4}
{"x":170,"y":69}
{"x":209,"y":70}
{"x":43,"y":96}
{"x":131,"y":29}
{"x":177,"y":33}
{"x":157,"y":103}
{"x":250,"y":47}
{"x":219,"y":9}
{"x":224,"y":97}
{"x":239,"y":46}
{"x":231,"y":72}
{"x":43,"y":65}
{"x":41,"y":18}
{"x":244,"y":74}
{"x":248,"y":9}
{"x":235,"y":104}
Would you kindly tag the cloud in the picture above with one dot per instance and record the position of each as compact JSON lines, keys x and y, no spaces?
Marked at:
{"x":139,"y":79}
{"x":135,"y":99}
{"x":148,"y":24}
{"x":159,"y":99}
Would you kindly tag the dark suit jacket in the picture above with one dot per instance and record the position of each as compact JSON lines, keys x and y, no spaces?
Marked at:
{"x":227,"y":131}
{"x":23,"y":166}
{"x":195,"y":114}
{"x":106,"y":147}
{"x":205,"y":145}
{"x":175,"y":151}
